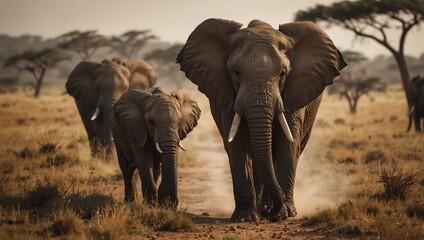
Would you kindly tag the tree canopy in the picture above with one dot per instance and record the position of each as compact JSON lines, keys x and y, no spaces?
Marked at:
{"x":372,"y":19}
{"x":130,"y":43}
{"x":36,"y":62}
{"x":84,"y":44}
{"x":164,"y":61}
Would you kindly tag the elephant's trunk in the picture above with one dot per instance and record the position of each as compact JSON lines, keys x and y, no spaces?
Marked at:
{"x":105,"y":134}
{"x":168,"y":190}
{"x":259,"y":115}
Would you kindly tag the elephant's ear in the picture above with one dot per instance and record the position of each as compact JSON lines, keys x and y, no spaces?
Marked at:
{"x":142,"y":75}
{"x":203,"y":59}
{"x":128,"y":112}
{"x":315,"y":62}
{"x":81,"y":83}
{"x":190,"y":112}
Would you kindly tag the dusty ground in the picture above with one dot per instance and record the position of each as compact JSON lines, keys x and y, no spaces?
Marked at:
{"x":205,"y":191}
{"x":331,"y":170}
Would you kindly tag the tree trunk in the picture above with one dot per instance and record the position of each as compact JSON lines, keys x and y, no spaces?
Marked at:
{"x":403,"y":69}
{"x":39,"y":83}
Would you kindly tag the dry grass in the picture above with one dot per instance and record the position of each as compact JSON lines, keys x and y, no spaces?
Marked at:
{"x":385,"y":199}
{"x":51,"y":187}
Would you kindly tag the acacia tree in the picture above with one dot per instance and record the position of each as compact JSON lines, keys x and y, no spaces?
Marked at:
{"x":164,"y":61}
{"x":36,"y":62}
{"x":129,"y":44}
{"x":372,"y":20}
{"x":84,"y":44}
{"x":353,"y":83}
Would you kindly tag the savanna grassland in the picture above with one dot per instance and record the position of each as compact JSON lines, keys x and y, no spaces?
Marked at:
{"x":361,"y":176}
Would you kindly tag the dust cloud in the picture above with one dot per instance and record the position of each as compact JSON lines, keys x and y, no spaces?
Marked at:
{"x":208,"y":189}
{"x":319,"y":184}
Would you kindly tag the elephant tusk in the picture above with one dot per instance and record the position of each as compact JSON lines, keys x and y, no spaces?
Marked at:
{"x":285,"y":126}
{"x":95,"y":114}
{"x":411,"y":110}
{"x":234,"y":127}
{"x":158,"y":148}
{"x":181,"y":146}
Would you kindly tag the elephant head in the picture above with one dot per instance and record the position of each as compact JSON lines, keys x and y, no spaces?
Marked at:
{"x":415,"y":95}
{"x":97,"y":86}
{"x":160,"y":121}
{"x":259,"y":73}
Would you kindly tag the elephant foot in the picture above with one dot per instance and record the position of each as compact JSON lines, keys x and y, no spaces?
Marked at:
{"x":244,"y":215}
{"x":291,"y":209}
{"x":281,"y":216}
{"x":266,"y":205}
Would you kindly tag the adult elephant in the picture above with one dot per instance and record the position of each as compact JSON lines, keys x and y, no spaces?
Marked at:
{"x":415,"y":96}
{"x":262,"y":82}
{"x":96,"y":87}
{"x":148,"y":127}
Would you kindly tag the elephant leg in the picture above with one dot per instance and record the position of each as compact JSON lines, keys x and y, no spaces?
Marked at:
{"x":127,"y":170}
{"x":287,"y":156}
{"x":88,"y":126}
{"x":241,"y":166}
{"x":157,"y":170}
{"x":417,"y":121}
{"x":144,"y":161}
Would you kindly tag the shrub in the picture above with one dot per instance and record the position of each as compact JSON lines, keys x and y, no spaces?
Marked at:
{"x":375,"y":155}
{"x":44,"y":193}
{"x":397,"y":185}
{"x":61,"y":159}
{"x":416,"y":210}
{"x":65,"y":223}
{"x":49,"y":147}
{"x":26,"y":153}
{"x":88,"y":206}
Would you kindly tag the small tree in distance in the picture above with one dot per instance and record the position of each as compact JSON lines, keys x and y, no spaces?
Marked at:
{"x":84,"y":44}
{"x":353,"y":84}
{"x":129,"y":44}
{"x":164,"y":61}
{"x":36,"y":62}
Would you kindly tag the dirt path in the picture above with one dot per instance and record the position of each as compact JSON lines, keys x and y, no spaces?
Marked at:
{"x":205,"y":193}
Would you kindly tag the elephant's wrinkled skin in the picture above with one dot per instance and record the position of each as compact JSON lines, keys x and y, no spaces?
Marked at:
{"x":147,"y":127}
{"x":254,"y":75}
{"x":96,"y":87}
{"x":415,"y":95}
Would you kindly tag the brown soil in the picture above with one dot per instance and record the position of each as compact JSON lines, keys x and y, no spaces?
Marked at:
{"x":205,"y":194}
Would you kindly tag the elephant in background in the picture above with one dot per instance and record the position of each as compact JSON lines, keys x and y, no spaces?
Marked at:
{"x":148,"y":127}
{"x":96,"y":87}
{"x":264,"y":87}
{"x":415,"y":96}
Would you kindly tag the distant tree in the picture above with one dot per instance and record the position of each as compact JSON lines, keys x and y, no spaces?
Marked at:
{"x":164,"y":61}
{"x":372,"y":20}
{"x":352,"y":84}
{"x":84,"y":44}
{"x":36,"y":62}
{"x":129,"y":44}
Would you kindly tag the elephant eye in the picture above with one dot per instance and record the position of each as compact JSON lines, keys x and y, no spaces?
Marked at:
{"x":151,"y":122}
{"x":236,"y":72}
{"x":283,"y":74}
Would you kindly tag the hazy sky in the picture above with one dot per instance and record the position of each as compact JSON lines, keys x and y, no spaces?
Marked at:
{"x":171,"y":20}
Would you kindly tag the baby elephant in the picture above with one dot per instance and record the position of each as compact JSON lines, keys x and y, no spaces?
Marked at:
{"x":148,"y":127}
